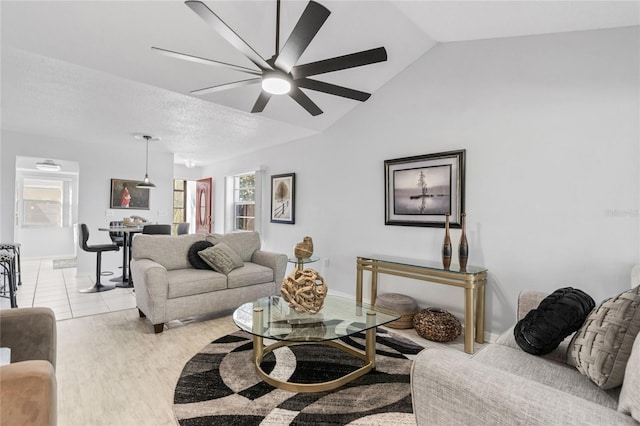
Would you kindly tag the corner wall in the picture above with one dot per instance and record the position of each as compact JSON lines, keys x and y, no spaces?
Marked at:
{"x":551,"y":128}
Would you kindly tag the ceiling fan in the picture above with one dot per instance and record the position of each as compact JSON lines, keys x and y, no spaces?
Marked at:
{"x":280,"y":74}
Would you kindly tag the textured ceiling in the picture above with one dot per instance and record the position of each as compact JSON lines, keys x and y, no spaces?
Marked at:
{"x":85,"y":70}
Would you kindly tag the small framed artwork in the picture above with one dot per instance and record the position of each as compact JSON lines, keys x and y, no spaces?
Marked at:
{"x":283,"y":196}
{"x":421,"y":190}
{"x":125,"y":195}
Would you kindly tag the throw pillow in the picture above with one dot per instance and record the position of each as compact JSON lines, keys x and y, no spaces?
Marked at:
{"x":601,"y":348}
{"x":221,"y":258}
{"x":561,"y":313}
{"x":629,"y":402}
{"x":192,"y":254}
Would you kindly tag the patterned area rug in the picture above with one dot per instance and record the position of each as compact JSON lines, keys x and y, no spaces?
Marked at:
{"x":64,"y":263}
{"x":219,"y":385}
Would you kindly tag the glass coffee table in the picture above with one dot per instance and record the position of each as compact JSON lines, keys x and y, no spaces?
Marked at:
{"x":272,"y":318}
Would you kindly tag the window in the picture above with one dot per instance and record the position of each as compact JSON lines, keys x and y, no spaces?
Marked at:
{"x":179,"y":200}
{"x":244,"y":202}
{"x":42,"y":202}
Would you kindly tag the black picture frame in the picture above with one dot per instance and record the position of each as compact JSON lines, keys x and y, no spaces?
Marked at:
{"x":139,"y":197}
{"x":420,"y":190}
{"x":283,"y":196}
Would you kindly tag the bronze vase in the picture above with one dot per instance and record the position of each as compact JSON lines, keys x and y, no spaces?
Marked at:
{"x":446,"y":245}
{"x":463,"y":247}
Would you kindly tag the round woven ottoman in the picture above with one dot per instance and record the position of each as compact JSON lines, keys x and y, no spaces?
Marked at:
{"x":400,"y":303}
{"x":437,"y":324}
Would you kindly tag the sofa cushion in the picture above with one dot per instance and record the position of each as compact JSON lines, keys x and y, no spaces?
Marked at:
{"x":557,"y":375}
{"x":629,"y":402}
{"x":169,"y":251}
{"x":244,"y":244}
{"x":601,"y":348}
{"x":558,"y":315}
{"x":559,"y":354}
{"x":187,"y":282}
{"x":249,"y":274}
{"x":192,"y":255}
{"x":221,"y":258}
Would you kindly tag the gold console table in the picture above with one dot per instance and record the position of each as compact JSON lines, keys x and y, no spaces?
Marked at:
{"x":472,"y":279}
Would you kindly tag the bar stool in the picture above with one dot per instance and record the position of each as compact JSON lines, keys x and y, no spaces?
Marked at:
{"x":117,"y":236}
{"x":156,"y":229}
{"x":98,"y":249}
{"x":7,"y":268}
{"x":183,"y":228}
{"x":15,"y":248}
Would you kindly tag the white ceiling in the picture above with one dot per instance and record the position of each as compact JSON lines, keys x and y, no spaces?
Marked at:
{"x":84,"y":70}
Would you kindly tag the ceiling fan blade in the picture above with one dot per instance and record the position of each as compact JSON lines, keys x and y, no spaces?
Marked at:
{"x":308,"y":25}
{"x":333,"y":89}
{"x":225,"y":86}
{"x":352,"y":60}
{"x":205,"y":61}
{"x":261,"y":102}
{"x":227,"y":33}
{"x":304,"y":101}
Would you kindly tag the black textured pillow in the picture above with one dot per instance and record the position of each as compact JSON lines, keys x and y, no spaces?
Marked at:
{"x":561,"y":313}
{"x":193,"y":257}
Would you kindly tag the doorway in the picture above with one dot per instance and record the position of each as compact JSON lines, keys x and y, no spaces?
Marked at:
{"x":46,"y":207}
{"x":204,"y":217}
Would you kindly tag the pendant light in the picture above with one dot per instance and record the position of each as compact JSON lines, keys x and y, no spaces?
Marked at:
{"x":146,"y":183}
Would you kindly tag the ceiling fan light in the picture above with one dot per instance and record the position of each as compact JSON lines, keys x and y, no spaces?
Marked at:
{"x":48,"y":166}
{"x":276,"y":85}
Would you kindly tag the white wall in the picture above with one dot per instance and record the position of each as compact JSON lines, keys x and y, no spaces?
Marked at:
{"x":97,"y":167}
{"x":551,"y":128}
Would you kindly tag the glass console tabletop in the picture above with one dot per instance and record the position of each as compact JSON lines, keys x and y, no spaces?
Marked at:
{"x":428,"y":264}
{"x":272,"y":318}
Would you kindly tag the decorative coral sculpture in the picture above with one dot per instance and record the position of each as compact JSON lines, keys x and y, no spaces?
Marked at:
{"x":304,"y":290}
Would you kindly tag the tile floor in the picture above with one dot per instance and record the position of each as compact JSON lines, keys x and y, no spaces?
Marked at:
{"x":58,"y":289}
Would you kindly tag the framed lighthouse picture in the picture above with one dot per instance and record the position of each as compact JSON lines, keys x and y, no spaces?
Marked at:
{"x":421,"y":190}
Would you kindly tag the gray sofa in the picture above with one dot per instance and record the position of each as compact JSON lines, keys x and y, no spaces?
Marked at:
{"x":167,"y":287}
{"x":503,"y":385}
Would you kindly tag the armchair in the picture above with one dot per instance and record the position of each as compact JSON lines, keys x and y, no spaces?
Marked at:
{"x":28,"y":390}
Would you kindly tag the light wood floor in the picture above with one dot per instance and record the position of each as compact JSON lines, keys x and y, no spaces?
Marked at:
{"x":112,"y":370}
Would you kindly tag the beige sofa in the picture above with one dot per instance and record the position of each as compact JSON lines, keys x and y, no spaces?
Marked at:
{"x":503,"y":385}
{"x":28,"y":389}
{"x":168,"y":288}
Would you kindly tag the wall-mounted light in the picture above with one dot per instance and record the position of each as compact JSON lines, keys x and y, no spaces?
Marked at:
{"x":48,"y":166}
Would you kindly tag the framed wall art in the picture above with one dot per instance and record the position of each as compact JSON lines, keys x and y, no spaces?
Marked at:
{"x":283,"y":192}
{"x":420,"y":190}
{"x":125,"y":195}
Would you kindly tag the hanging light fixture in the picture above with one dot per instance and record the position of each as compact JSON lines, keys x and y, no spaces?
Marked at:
{"x":48,"y":166}
{"x":146,"y":183}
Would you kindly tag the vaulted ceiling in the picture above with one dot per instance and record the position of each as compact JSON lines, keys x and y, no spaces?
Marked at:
{"x":84,"y":70}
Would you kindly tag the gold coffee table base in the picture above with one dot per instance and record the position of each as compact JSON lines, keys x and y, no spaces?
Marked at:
{"x":369,"y":358}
